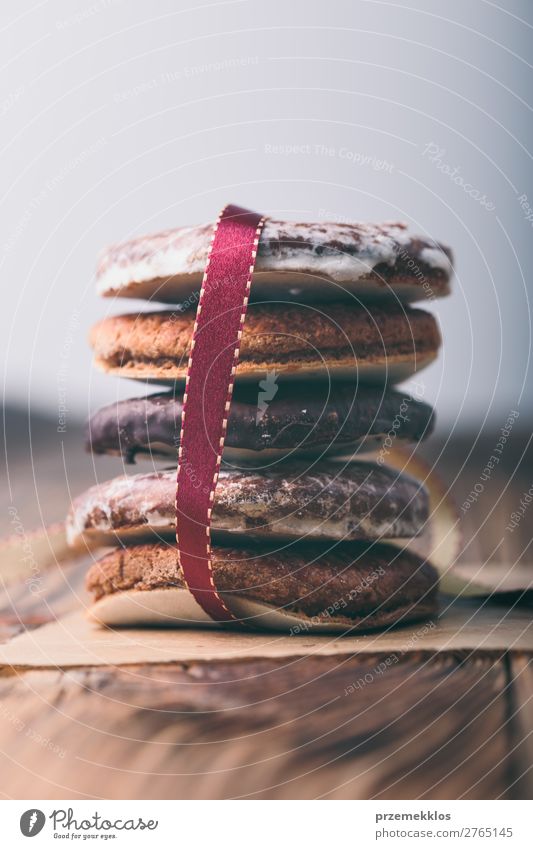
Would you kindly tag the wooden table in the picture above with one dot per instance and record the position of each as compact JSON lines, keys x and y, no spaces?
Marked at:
{"x":442,"y":712}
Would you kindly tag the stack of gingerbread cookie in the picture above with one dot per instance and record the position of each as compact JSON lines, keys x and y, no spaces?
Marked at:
{"x":301,"y":525}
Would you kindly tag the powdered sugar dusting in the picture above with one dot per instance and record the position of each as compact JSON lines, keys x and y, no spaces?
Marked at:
{"x":360,"y":501}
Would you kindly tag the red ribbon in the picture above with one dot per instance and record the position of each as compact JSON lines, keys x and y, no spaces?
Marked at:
{"x":208,"y":390}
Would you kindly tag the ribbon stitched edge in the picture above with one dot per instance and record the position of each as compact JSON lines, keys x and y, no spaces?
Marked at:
{"x":213,"y":359}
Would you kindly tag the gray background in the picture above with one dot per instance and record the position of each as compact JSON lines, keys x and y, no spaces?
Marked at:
{"x":120,"y":118}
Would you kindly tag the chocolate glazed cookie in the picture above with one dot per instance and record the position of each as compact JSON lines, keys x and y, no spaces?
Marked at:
{"x":267,"y":421}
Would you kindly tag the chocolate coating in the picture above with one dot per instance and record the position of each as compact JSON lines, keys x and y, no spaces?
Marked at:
{"x":302,"y":419}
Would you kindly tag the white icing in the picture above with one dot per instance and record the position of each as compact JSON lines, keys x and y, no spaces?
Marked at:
{"x":145,"y":504}
{"x":437,"y":259}
{"x":155,"y":519}
{"x":178,"y":256}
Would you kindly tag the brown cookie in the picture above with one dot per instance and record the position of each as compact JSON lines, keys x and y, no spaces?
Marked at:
{"x":351,"y":585}
{"x":297,"y":260}
{"x":344,"y":341}
{"x":327,"y":500}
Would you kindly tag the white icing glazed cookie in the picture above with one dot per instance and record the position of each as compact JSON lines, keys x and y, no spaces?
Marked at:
{"x":328,"y":500}
{"x":300,"y":261}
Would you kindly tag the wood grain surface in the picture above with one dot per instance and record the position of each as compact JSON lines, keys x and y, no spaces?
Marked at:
{"x":372,"y":723}
{"x":436,"y":726}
